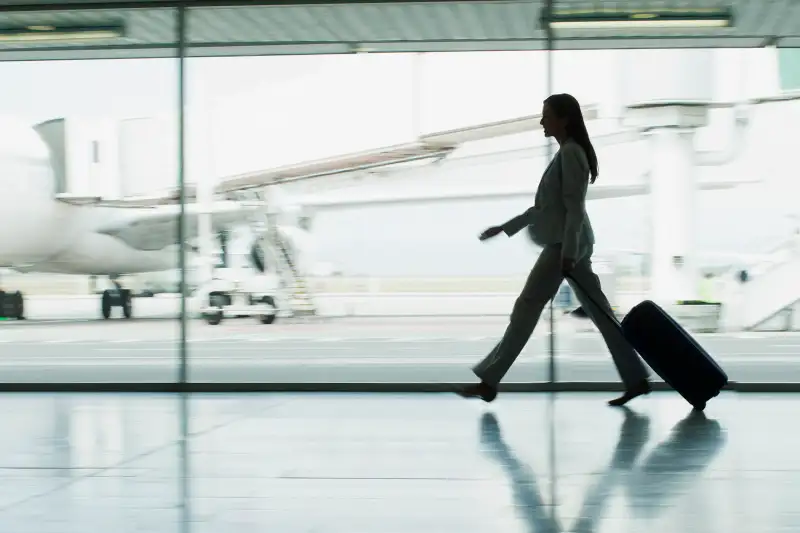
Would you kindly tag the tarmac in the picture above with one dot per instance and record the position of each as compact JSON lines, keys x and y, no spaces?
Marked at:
{"x":65,"y":342}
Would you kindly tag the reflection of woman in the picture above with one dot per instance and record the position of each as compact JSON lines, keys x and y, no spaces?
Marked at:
{"x":528,"y":500}
{"x":671,"y":469}
{"x":558,"y":222}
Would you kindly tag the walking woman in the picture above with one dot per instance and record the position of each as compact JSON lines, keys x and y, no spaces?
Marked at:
{"x":558,"y":222}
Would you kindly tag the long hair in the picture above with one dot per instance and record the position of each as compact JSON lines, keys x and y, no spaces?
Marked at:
{"x":566,"y":106}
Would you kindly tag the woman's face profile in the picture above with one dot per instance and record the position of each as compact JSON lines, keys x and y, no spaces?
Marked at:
{"x":553,"y":125}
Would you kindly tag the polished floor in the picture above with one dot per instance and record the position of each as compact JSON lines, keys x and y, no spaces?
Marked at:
{"x":380,"y":463}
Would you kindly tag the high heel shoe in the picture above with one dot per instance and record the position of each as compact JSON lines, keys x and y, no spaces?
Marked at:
{"x":630,"y":394}
{"x":481,"y":390}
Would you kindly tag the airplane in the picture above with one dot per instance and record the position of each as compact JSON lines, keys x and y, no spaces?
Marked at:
{"x":49,"y":232}
{"x":46,"y":232}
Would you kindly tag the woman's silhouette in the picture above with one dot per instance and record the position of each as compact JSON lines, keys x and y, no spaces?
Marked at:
{"x":558,"y":222}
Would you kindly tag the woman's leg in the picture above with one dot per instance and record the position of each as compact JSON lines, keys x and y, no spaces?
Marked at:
{"x":541,"y":286}
{"x":630,"y":367}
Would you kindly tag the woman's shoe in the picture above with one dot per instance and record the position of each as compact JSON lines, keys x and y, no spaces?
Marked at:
{"x":638,"y":390}
{"x":481,"y":390}
{"x":579,"y":312}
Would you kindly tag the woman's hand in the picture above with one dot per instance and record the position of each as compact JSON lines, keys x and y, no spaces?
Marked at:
{"x":488,"y":233}
{"x":567,"y":265}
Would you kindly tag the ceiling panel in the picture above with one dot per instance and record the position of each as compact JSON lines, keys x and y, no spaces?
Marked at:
{"x":358,"y":23}
{"x":147,"y":32}
{"x":790,"y":42}
{"x":787,"y":19}
{"x":761,"y":19}
{"x":314,"y":27}
{"x":673,"y":42}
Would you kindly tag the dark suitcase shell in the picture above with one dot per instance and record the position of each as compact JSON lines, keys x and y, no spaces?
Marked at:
{"x":673,"y":353}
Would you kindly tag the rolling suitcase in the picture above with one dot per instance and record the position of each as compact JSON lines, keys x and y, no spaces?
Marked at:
{"x":670,"y":351}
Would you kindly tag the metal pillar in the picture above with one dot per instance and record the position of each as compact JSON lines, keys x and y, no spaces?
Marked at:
{"x":548,"y":9}
{"x":551,"y":378}
{"x":182,"y":366}
{"x":184,"y":466}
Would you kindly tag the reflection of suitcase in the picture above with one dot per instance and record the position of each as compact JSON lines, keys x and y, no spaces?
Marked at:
{"x":672,"y":353}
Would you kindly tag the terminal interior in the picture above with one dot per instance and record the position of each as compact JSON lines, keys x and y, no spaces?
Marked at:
{"x":240,"y":275}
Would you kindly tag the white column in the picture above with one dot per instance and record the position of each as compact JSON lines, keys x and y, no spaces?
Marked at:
{"x":677,"y":74}
{"x":664,"y":91}
{"x":416,"y":94}
{"x":670,"y":127}
{"x":205,"y":189}
{"x":674,"y":274}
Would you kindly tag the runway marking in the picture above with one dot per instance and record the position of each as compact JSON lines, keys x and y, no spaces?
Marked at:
{"x":237,"y":338}
{"x":250,"y":363}
{"x":756,"y":334}
{"x":780,"y":341}
{"x":142,"y":358}
{"x":409,"y":339}
{"x":320,"y":343}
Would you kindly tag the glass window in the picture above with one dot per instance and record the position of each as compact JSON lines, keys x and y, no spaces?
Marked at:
{"x":713,"y":235}
{"x":360,"y":261}
{"x":789,"y":64}
{"x":74,"y":156}
{"x":378,"y":243}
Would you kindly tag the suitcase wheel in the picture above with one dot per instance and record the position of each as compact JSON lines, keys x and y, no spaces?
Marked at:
{"x":699,"y":406}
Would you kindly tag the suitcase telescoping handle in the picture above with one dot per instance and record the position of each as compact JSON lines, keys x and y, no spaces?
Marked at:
{"x":607,"y":312}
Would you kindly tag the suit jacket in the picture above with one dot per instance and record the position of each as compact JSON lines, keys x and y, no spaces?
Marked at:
{"x":559,"y":212}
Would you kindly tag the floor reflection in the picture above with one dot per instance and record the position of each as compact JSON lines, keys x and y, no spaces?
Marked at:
{"x":672,"y":468}
{"x":527,"y":496}
{"x":344,"y":463}
{"x":668,"y":471}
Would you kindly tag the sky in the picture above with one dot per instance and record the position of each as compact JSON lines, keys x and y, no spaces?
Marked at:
{"x":252,"y":113}
{"x":265,"y":112}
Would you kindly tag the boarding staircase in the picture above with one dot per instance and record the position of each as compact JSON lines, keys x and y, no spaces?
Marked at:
{"x":297,"y":293}
{"x":772,"y":287}
{"x":300,"y":302}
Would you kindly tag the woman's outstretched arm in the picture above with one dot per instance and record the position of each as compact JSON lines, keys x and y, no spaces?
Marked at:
{"x":520,"y":221}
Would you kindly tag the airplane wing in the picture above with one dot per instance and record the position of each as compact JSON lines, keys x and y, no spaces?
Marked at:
{"x":157,"y":228}
{"x":430,"y":146}
{"x":334,"y":201}
{"x":595,"y":192}
{"x":168,"y":197}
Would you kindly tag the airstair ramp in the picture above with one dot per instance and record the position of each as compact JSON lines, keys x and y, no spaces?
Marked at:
{"x":297,"y":293}
{"x":300,"y":299}
{"x":773,"y":286}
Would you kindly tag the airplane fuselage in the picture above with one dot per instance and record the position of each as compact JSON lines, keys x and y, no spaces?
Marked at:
{"x":41,"y":234}
{"x":80,"y":250}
